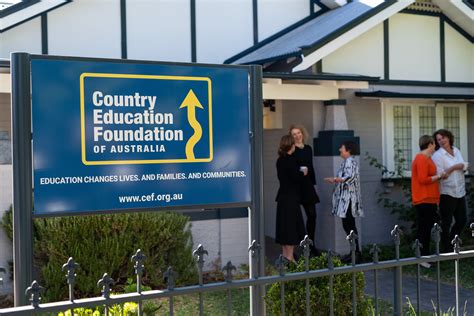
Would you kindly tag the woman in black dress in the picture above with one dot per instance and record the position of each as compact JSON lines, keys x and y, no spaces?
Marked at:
{"x":309,"y":197}
{"x":289,"y":220}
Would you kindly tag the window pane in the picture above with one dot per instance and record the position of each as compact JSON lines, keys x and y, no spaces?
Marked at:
{"x":427,"y":120}
{"x":402,"y":135}
{"x":452,"y":123}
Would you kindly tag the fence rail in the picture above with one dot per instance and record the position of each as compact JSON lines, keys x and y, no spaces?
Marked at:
{"x":35,"y":290}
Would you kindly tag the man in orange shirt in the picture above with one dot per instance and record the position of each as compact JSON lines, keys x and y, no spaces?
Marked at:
{"x":425,"y":192}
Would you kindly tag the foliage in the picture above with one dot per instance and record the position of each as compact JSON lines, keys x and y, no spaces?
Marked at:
{"x":105,"y":243}
{"x":125,"y":309}
{"x":295,"y":292}
{"x":7,"y":222}
{"x":82,"y":312}
{"x":451,"y":311}
{"x":470,"y":196}
{"x":403,"y":208}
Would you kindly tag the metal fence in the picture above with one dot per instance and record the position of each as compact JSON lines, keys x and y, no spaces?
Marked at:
{"x":106,"y":282}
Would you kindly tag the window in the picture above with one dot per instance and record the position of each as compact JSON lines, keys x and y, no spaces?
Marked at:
{"x":405,"y":122}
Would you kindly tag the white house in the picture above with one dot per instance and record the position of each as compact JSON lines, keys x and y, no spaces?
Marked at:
{"x":379,"y":72}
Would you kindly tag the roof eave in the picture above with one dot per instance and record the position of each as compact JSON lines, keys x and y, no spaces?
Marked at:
{"x":315,"y":52}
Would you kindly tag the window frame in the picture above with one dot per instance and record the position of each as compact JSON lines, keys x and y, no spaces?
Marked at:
{"x":388,"y":146}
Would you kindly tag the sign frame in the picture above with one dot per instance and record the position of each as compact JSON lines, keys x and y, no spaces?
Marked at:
{"x":22,"y":141}
{"x":248,"y":69}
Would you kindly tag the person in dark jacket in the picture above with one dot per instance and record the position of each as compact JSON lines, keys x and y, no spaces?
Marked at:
{"x":309,"y":197}
{"x":289,"y":220}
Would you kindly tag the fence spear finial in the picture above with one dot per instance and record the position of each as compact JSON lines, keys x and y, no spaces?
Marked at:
{"x":352,"y":238}
{"x":417,"y":245}
{"x":306,"y":243}
{"x":138,"y":258}
{"x":34,"y":291}
{"x":105,"y":282}
{"x":456,"y":242}
{"x":374,"y":251}
{"x":170,"y":276}
{"x":199,"y":253}
{"x":70,"y":267}
{"x":228,"y":271}
{"x":436,"y":232}
{"x":396,"y":234}
{"x":254,"y":248}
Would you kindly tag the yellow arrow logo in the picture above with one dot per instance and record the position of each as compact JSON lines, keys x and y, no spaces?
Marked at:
{"x":191,"y":102}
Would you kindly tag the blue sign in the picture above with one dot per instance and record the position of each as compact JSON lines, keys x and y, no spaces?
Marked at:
{"x":113,"y":136}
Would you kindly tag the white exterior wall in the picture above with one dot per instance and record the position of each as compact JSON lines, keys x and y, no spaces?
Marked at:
{"x":166,"y":36}
{"x":224,"y":239}
{"x":364,"y":55}
{"x":223,"y":29}
{"x":275,"y":15}
{"x":81,"y":28}
{"x":414,"y":47}
{"x":6,"y":246}
{"x":459,"y":53}
{"x":23,"y":38}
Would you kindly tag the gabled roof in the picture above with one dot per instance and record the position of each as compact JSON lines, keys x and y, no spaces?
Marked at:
{"x":20,"y":12}
{"x":318,"y":31}
{"x":460,"y":11}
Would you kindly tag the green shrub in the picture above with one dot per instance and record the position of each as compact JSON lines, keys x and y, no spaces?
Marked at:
{"x":295,"y":292}
{"x":470,"y":197}
{"x":105,"y":243}
{"x":7,"y":222}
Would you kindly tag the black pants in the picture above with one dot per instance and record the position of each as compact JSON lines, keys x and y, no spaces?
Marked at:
{"x":310,"y":210}
{"x":451,"y":207}
{"x":348,"y":223}
{"x":426,"y":215}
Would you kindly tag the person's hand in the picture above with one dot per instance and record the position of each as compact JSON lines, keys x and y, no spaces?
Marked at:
{"x":331,"y":180}
{"x":304,"y":169}
{"x":443,"y":175}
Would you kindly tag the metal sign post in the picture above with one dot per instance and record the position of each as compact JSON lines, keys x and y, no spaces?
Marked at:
{"x":256,"y":214}
{"x":22,"y":179}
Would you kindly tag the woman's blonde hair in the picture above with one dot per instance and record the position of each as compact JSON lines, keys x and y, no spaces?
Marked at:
{"x":302,"y":129}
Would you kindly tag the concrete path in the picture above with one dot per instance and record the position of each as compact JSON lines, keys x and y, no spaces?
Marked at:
{"x":428,"y":292}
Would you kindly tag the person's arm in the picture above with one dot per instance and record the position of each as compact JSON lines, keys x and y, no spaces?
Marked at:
{"x":438,"y":161}
{"x":311,"y":173}
{"x":294,"y":173}
{"x":458,"y":166}
{"x":423,"y":176}
{"x":350,"y":171}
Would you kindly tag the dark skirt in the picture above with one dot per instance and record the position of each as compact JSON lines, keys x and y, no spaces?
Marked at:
{"x":290,"y":229}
